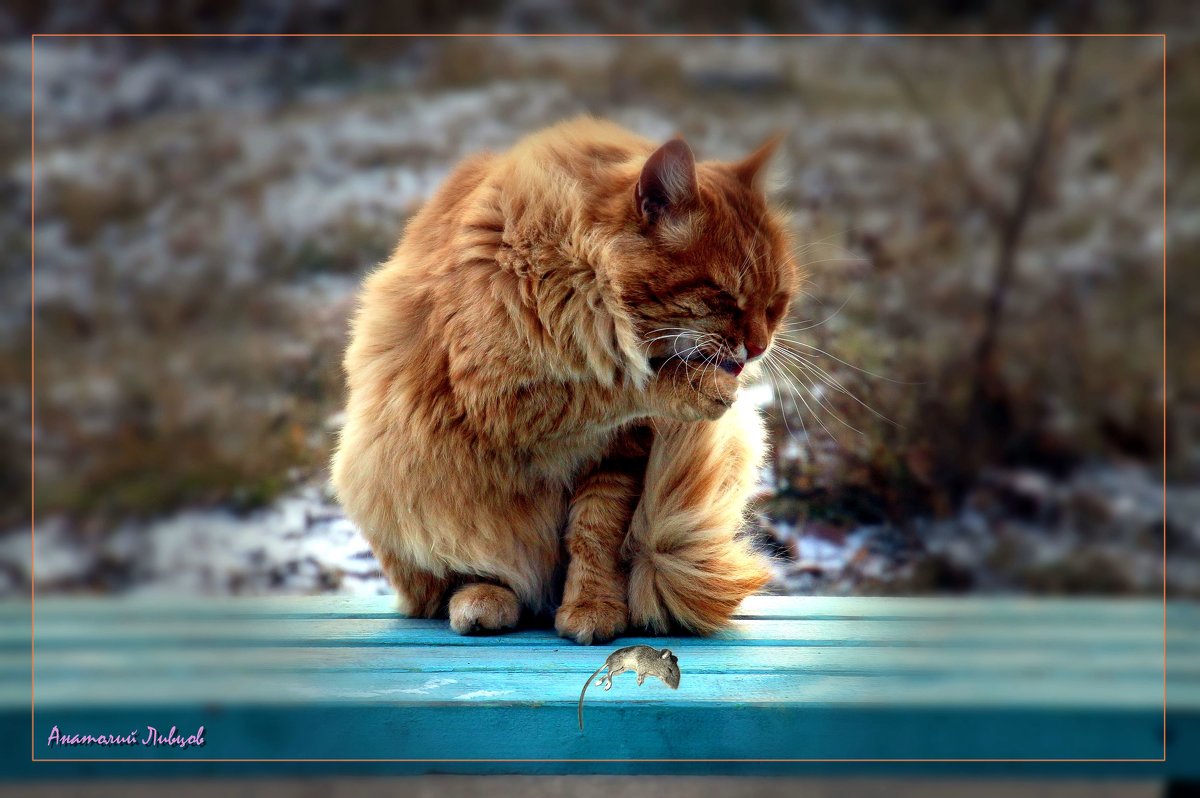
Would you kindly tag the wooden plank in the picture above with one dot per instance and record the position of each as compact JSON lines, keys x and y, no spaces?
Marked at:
{"x":755,"y":607}
{"x":861,"y":660}
{"x":442,"y":734}
{"x":74,"y":632}
{"x":782,"y":691}
{"x":980,"y":608}
{"x":807,"y":678}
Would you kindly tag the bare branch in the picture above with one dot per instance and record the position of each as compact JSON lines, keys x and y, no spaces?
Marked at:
{"x":1014,"y":227}
{"x":1015,"y":100}
{"x":951,"y":151}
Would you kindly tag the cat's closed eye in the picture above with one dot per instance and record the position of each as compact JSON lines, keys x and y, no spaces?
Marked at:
{"x":778,"y":307}
{"x":701,"y":305}
{"x":693,"y":306}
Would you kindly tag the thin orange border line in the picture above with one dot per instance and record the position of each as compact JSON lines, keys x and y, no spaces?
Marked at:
{"x":32,"y":384}
{"x":601,"y":35}
{"x":1164,"y":384}
{"x":614,"y":761}
{"x":33,"y":118}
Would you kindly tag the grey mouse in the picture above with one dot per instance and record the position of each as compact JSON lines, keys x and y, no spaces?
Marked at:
{"x":642,"y":660}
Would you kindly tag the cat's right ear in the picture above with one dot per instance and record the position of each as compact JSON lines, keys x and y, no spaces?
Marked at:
{"x":667,"y":182}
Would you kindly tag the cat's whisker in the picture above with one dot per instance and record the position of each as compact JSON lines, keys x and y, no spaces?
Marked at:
{"x":814,"y":414}
{"x":801,"y":292}
{"x":837,"y":248}
{"x":774,"y":381}
{"x":832,"y":382}
{"x":831,"y":316}
{"x":789,"y":366}
{"x":787,"y":342}
{"x":842,"y":254}
{"x":811,"y":387}
{"x":702,"y":339}
{"x":851,"y":257}
{"x":810,"y":244}
{"x":748,"y":263}
{"x":678,"y":333}
{"x":788,"y":381}
{"x":688,"y":365}
{"x":817,"y":394}
{"x":675,"y":336}
{"x":683,"y":355}
{"x":745,"y":266}
{"x":714,"y":357}
{"x":698,"y":340}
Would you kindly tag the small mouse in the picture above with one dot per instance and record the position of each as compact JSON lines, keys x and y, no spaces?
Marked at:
{"x":642,"y":660}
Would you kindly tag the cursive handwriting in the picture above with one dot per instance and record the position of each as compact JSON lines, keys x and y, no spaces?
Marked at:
{"x":152,"y":739}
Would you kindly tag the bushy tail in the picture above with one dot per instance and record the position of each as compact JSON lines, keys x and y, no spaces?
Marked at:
{"x":688,"y":564}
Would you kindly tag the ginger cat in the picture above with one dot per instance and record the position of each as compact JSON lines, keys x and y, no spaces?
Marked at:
{"x":543,"y":385}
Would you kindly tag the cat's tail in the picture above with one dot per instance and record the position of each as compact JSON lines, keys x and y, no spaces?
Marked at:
{"x":690,"y":566}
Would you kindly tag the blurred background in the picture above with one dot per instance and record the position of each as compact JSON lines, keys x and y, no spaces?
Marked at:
{"x":980,"y":403}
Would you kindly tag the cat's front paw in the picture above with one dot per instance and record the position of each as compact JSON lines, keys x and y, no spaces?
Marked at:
{"x":687,"y":393}
{"x":481,"y":607}
{"x":590,"y":620}
{"x":715,"y":394}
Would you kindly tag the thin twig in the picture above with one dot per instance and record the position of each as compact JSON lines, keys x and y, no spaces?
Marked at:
{"x":1008,"y":86}
{"x":952,"y":153}
{"x":1015,"y":220}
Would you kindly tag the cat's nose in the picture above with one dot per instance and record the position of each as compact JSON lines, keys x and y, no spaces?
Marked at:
{"x":753,"y":349}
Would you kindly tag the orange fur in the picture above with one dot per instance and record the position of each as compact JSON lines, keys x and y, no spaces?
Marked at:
{"x":509,"y":385}
{"x":688,"y":567}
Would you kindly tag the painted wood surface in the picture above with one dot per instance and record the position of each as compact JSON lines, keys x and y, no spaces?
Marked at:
{"x":793,"y":679}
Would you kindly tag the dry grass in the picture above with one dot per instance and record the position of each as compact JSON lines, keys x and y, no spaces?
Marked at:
{"x":198,"y":262}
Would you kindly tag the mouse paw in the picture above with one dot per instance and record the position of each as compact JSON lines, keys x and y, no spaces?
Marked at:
{"x":590,"y":620}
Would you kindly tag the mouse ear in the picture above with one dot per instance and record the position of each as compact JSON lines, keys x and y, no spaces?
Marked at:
{"x":666,"y":653}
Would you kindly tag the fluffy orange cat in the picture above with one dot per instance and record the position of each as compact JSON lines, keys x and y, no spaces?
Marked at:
{"x":543,"y":380}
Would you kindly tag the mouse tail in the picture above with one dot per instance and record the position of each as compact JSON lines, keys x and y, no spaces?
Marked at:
{"x":584,"y":690}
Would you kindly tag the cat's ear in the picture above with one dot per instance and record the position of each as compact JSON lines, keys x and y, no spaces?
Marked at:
{"x":749,"y":170}
{"x":667,"y":182}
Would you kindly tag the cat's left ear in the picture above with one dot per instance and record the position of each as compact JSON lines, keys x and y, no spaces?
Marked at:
{"x":667,"y":182}
{"x":749,"y":170}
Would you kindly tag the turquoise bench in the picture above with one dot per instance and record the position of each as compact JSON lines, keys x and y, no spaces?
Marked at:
{"x":348,"y":682}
